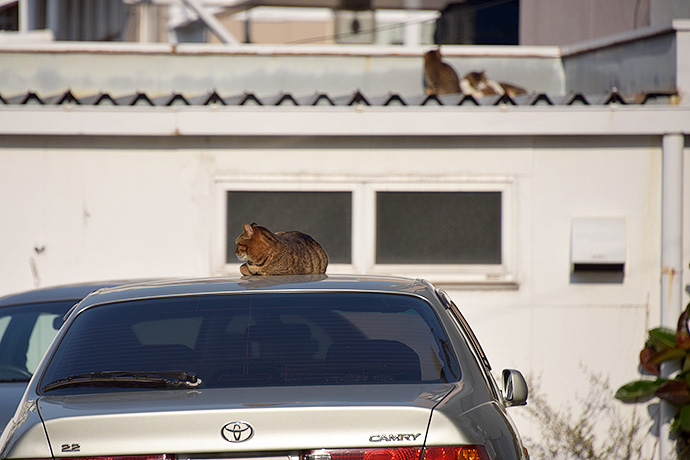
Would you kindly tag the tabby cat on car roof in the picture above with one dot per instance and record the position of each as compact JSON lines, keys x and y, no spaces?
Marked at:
{"x":282,"y":253}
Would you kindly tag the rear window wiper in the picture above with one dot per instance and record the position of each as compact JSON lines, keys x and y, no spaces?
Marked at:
{"x":127,"y":379}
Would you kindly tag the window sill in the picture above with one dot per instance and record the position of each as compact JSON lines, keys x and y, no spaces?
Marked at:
{"x":450,"y":276}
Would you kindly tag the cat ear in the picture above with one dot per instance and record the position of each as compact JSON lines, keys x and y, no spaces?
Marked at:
{"x":248,"y":229}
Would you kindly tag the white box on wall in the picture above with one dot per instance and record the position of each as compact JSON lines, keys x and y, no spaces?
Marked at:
{"x":598,"y":243}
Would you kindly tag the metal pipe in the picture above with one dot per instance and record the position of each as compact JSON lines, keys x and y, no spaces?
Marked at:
{"x":23,"y":16}
{"x":671,"y":263}
{"x":211,"y":22}
{"x":53,"y":8}
{"x":145,"y":26}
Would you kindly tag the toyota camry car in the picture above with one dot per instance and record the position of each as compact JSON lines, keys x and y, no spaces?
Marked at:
{"x":267,"y":368}
{"x":28,"y":323}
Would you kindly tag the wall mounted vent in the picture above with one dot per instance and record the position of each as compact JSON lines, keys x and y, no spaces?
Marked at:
{"x":598,"y":244}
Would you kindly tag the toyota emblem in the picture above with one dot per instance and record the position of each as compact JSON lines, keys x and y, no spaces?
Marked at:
{"x":237,"y":431}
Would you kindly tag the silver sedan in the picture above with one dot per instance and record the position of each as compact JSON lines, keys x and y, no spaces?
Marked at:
{"x":267,"y":368}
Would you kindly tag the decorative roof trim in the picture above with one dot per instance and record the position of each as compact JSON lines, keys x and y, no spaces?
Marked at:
{"x":356,"y":98}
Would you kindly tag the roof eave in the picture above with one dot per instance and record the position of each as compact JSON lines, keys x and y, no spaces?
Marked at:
{"x":355,"y":120}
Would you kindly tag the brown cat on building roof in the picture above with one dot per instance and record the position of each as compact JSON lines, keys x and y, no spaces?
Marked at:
{"x":478,"y":84}
{"x":282,"y":253}
{"x":440,"y":77}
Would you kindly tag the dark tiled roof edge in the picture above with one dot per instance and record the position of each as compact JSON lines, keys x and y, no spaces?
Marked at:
{"x":357,"y":97}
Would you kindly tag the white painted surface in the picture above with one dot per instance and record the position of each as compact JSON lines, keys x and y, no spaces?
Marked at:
{"x":351,"y":121}
{"x":598,"y":241}
{"x":125,"y":207}
{"x":136,"y":192}
{"x":159,"y":69}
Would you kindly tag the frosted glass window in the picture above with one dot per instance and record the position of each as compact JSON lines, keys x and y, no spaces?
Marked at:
{"x":438,"y":228}
{"x":326,"y":216}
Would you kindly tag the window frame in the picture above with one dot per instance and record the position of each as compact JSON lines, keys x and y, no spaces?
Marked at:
{"x":364,"y":213}
{"x":221,"y":266}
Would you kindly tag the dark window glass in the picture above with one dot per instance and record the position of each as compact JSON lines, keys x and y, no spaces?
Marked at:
{"x":261,"y":340}
{"x":438,"y":228}
{"x":9,"y":17}
{"x":479,"y":22}
{"x":326,"y":216}
{"x":25,"y":333}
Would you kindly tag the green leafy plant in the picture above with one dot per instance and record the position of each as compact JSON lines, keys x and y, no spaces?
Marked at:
{"x":665,"y":345}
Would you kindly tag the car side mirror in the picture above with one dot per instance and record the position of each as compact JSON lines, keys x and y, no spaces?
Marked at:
{"x":514,"y":388}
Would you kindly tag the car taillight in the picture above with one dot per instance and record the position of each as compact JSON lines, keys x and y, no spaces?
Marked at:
{"x":394,"y":453}
{"x":400,"y":453}
{"x":456,"y":453}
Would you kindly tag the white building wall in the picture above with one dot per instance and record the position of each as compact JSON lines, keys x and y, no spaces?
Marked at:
{"x":556,"y":331}
{"x":150,"y":207}
{"x":101,"y":214}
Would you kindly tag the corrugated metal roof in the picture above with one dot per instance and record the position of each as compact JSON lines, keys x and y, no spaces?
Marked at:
{"x":324,"y":99}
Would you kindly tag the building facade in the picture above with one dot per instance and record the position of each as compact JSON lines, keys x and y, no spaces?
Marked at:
{"x":555,"y":221}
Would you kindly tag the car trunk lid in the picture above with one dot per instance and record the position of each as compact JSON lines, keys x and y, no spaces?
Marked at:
{"x":285,"y":419}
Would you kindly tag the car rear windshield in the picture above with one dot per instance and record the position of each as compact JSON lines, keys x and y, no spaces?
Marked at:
{"x":261,"y":339}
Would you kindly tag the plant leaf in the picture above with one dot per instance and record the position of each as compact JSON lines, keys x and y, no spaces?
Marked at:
{"x":682,"y":332}
{"x":639,"y":390}
{"x":662,"y":338}
{"x":675,"y":423}
{"x":647,"y":355}
{"x":670,"y":354}
{"x":674,"y":391}
{"x":684,"y":417}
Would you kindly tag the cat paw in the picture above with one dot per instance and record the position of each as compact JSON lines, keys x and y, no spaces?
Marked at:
{"x":244,"y":270}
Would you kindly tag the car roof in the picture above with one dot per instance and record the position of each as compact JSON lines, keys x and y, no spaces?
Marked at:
{"x":74,"y":292}
{"x":283,"y":283}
